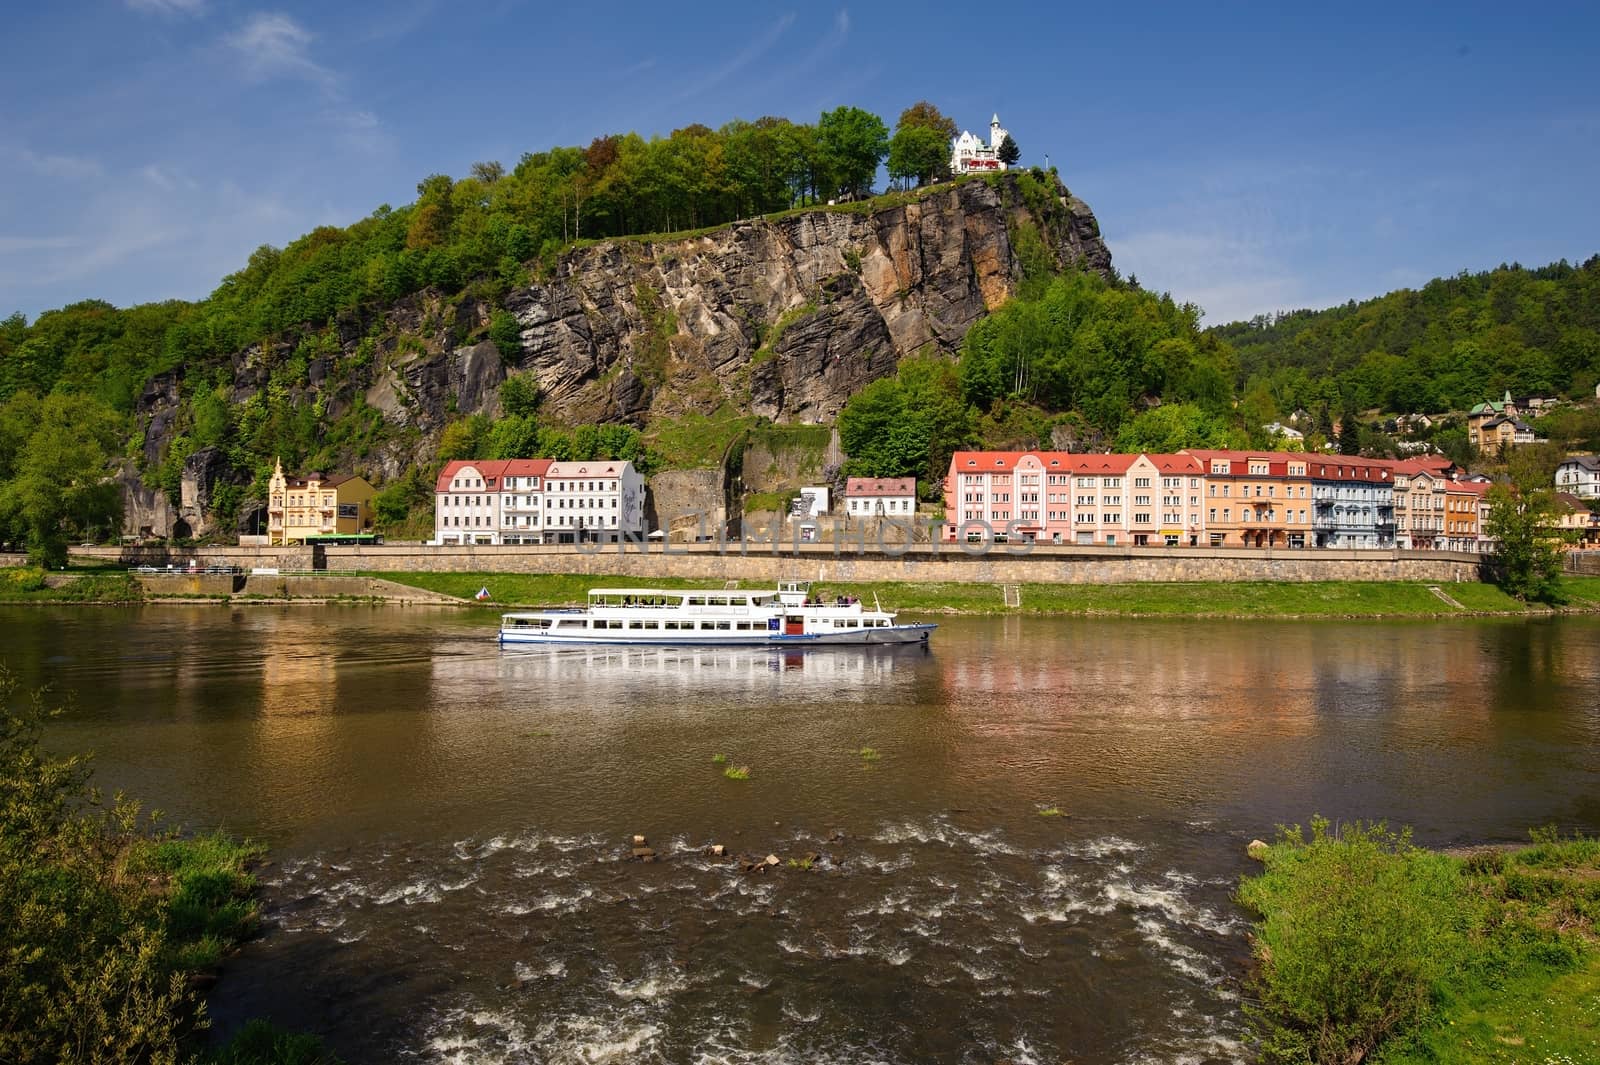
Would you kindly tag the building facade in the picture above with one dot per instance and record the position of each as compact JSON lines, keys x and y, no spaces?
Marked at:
{"x":537,"y":501}
{"x":1352,"y":502}
{"x":969,"y":155}
{"x":1256,"y":499}
{"x":881,"y":497}
{"x":1580,"y":475}
{"x":306,"y":508}
{"x":598,"y":500}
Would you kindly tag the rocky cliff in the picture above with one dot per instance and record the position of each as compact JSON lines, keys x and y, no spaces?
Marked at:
{"x":783,"y":317}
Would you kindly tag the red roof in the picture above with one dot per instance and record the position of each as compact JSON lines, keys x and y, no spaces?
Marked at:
{"x":493,"y":471}
{"x":881,"y":486}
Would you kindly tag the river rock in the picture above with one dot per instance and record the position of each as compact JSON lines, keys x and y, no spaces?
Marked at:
{"x":1257,"y":849}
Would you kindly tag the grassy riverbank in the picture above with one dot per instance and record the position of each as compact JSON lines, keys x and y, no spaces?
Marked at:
{"x":29,"y":584}
{"x":1201,"y":599}
{"x":1371,"y":949}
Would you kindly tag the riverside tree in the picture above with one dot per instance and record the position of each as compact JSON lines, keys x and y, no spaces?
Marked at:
{"x":55,"y":485}
{"x":1523,"y":521}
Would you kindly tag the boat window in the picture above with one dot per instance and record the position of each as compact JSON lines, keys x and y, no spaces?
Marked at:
{"x":652,"y":624}
{"x":724,"y":625}
{"x":635,"y":624}
{"x":569,"y":623}
{"x":717,"y":600}
{"x":697,"y":600}
{"x":707,"y":625}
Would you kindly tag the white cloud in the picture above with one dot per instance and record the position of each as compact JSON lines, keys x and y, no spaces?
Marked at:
{"x":274,"y":45}
{"x":167,"y":178}
{"x":749,"y":54}
{"x":71,"y":167}
{"x":10,"y":245}
{"x":841,"y":21}
{"x":169,"y":7}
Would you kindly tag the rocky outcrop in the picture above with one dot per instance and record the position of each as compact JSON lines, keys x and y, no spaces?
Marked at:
{"x":784,"y":318}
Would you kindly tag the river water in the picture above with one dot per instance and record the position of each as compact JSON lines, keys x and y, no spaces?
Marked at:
{"x":450,"y":824}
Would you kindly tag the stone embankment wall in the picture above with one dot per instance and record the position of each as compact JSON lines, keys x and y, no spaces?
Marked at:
{"x":9,"y":559}
{"x":945,"y":562}
{"x":301,"y":559}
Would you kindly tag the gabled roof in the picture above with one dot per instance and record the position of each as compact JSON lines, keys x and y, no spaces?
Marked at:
{"x":880,"y":486}
{"x":587,"y":468}
{"x":493,"y":471}
{"x":1586,"y":462}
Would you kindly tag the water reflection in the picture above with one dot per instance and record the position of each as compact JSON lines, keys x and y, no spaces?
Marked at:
{"x":451,"y":821}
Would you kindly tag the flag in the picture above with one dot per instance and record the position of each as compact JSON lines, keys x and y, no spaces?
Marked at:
{"x":483,"y":593}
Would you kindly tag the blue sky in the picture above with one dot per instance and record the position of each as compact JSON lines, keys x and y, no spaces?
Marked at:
{"x":1241,"y":156}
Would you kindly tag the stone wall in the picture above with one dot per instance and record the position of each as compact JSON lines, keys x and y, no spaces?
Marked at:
{"x":944,"y":562}
{"x":246,"y":558}
{"x":9,"y":559}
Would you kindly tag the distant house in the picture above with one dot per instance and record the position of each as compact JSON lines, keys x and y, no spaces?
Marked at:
{"x":1285,"y":431}
{"x":1504,"y":431}
{"x":969,"y":155}
{"x":1577,"y":521}
{"x":1580,"y":475}
{"x":880,"y":497}
{"x":307,"y":508}
{"x":1489,"y":411}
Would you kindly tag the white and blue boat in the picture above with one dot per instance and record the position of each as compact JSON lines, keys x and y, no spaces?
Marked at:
{"x":786,"y":616}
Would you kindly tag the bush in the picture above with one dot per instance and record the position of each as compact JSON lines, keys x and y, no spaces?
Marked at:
{"x":260,"y":1043}
{"x":101,"y":919}
{"x":1358,"y":928}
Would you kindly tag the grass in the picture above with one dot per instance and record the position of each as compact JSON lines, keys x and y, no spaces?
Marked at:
{"x":737,"y":772}
{"x":1051,"y":811}
{"x":869,"y":754}
{"x":207,"y":890}
{"x":696,"y":441}
{"x":30,"y":584}
{"x":1264,"y":599}
{"x":1372,"y":949}
{"x":719,"y":759}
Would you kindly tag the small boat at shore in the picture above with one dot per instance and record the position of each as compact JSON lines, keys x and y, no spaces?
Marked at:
{"x":787,"y":616}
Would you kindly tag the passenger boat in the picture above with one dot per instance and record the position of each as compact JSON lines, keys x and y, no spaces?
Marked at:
{"x":787,"y":616}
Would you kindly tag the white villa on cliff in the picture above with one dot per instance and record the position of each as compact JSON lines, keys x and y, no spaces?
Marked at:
{"x":970,"y":155}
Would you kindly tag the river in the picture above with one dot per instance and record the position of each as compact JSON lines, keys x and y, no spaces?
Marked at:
{"x":450,"y":824}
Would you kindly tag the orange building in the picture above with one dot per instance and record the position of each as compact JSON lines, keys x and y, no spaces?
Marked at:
{"x":1255,"y":499}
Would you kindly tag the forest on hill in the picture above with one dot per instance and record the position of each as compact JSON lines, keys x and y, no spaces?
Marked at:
{"x":1445,"y":346}
{"x":1072,"y":360}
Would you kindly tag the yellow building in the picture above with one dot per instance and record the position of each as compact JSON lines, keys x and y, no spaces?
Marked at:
{"x":299,"y":508}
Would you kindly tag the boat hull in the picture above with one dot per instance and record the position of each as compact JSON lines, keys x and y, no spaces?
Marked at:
{"x":892,"y":634}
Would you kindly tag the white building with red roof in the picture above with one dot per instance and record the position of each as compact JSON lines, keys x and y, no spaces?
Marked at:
{"x":881,"y":497}
{"x":490,"y":501}
{"x":537,"y":501}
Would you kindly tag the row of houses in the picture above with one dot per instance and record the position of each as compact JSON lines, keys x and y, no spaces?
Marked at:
{"x":1214,"y":498}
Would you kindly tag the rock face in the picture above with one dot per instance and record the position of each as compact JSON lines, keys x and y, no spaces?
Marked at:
{"x":783,"y":318}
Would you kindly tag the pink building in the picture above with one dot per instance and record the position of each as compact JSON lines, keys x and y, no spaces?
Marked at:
{"x":1063,"y":498}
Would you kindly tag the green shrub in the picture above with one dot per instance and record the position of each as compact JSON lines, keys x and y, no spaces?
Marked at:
{"x":1358,"y":927}
{"x":261,"y":1043}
